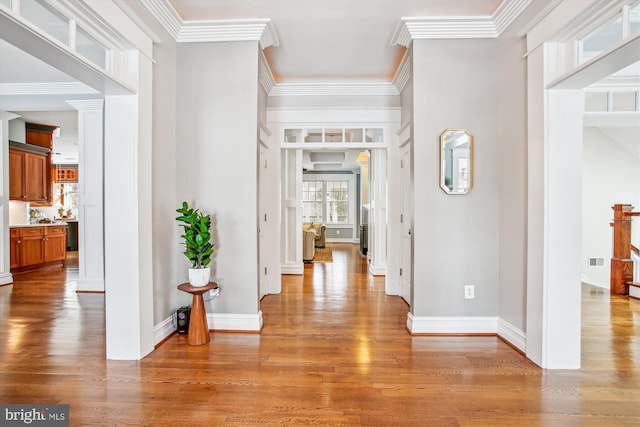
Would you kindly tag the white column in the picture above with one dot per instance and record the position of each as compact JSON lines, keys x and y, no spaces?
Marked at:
{"x":554,"y":221}
{"x":127,"y":218}
{"x":377,"y":251}
{"x":291,"y":212}
{"x":90,"y":198}
{"x":5,"y":272}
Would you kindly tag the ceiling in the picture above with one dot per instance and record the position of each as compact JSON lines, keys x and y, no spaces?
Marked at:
{"x":318,"y":40}
{"x":332,"y":39}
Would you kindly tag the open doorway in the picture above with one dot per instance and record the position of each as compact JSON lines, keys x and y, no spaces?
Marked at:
{"x":340,"y":186}
{"x":555,"y":184}
{"x":610,"y":168}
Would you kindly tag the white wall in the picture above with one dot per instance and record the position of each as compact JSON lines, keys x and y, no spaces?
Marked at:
{"x":512,"y":154}
{"x":455,"y":236}
{"x":611,"y":175}
{"x":216,"y":156}
{"x":166,"y":143}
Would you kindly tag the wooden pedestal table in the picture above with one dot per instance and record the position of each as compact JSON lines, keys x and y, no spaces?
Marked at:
{"x":198,"y":327}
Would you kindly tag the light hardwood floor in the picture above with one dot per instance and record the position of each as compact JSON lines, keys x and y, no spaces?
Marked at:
{"x":334,"y":351}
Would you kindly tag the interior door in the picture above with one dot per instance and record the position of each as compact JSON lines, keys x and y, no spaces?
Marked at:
{"x":262,"y":223}
{"x":406,"y":218}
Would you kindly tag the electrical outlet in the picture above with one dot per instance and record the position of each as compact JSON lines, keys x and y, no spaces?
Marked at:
{"x":214,"y":292}
{"x":337,"y":231}
{"x":469,"y":292}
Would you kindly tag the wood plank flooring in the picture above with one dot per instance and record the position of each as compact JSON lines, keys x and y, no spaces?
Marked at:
{"x":333,"y":351}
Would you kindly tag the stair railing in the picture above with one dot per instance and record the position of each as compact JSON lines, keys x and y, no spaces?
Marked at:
{"x":622,"y":265}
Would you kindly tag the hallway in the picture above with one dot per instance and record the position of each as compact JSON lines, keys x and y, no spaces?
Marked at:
{"x":333,"y":351}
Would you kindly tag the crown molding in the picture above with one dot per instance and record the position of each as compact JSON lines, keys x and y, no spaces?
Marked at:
{"x":458,"y":27}
{"x":229,"y":30}
{"x":224,"y":30}
{"x":265,"y":75}
{"x":166,"y":16}
{"x":403,"y":74}
{"x":62,"y":88}
{"x":335,"y":89}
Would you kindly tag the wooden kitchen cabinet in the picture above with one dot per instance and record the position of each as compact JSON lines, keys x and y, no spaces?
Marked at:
{"x":14,"y":242}
{"x":41,"y":135}
{"x":65,"y":174}
{"x":33,"y":247}
{"x":55,"y":243}
{"x":16,"y":175}
{"x":29,"y":177}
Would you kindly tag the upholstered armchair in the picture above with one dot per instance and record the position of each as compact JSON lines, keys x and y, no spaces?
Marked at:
{"x":320,"y":238}
{"x":308,"y":245}
{"x":320,"y":230}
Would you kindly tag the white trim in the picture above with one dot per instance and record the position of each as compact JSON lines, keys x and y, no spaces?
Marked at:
{"x":61,"y":88}
{"x":229,"y":30}
{"x":6,"y":278}
{"x":264,"y":74}
{"x":600,"y":66}
{"x":292,"y":269}
{"x":86,"y":104}
{"x":335,"y":89}
{"x":377,"y":270}
{"x":507,"y":12}
{"x":539,"y":17}
{"x":512,"y":335}
{"x":615,"y":83}
{"x":458,"y":27}
{"x":90,"y":285}
{"x":166,"y":16}
{"x":452,"y":324}
{"x":162,"y":330}
{"x":215,"y":321}
{"x":342,"y":239}
{"x":403,"y":73}
{"x":235,"y":322}
{"x":213,"y":30}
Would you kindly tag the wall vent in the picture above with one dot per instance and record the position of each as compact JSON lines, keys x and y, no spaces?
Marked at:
{"x":596,"y":262}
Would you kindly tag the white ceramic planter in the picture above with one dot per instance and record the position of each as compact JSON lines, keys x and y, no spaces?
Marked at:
{"x":199,"y":276}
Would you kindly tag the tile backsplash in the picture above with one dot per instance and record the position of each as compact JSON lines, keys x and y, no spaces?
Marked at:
{"x":18,"y":212}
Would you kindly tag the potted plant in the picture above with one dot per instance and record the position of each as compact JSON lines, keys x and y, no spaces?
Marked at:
{"x":197,"y":241}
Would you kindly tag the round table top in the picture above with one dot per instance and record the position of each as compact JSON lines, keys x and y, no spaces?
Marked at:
{"x":186,"y":287}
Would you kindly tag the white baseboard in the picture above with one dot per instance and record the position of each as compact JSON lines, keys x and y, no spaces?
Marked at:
{"x":452,"y":325}
{"x":216,"y":321}
{"x":341,"y":240}
{"x":512,"y":335}
{"x":163,"y":330}
{"x":235,"y":322}
{"x":377,"y":270}
{"x":292,"y":269}
{"x":90,"y":285}
{"x":6,"y":278}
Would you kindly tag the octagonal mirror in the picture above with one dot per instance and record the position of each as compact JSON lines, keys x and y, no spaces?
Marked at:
{"x":456,"y":161}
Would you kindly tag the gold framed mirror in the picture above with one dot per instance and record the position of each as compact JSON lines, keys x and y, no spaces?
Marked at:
{"x":456,"y":161}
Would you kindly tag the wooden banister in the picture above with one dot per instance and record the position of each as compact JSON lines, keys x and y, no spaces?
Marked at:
{"x":636,"y":250}
{"x":621,"y":263}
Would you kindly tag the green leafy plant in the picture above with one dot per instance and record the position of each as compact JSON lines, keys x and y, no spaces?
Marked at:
{"x":197,"y":237}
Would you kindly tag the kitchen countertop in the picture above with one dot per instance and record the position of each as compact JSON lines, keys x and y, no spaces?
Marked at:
{"x":44,"y":224}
